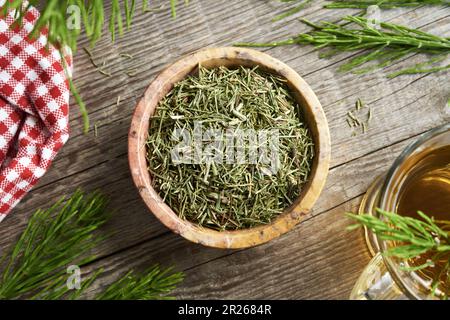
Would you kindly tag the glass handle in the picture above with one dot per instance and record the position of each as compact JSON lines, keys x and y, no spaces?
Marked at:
{"x":376,"y":283}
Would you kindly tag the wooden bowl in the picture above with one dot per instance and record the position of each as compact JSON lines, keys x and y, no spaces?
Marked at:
{"x":213,"y":57}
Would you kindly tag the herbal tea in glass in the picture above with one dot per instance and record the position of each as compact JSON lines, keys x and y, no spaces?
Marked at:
{"x":427,"y":189}
{"x":406,"y":215}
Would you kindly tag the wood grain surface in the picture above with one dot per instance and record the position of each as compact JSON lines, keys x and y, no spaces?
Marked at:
{"x":318,"y":259}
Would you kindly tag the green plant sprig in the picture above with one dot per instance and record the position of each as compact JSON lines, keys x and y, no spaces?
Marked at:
{"x":229,"y":195}
{"x":410,"y":239}
{"x":353,"y":117}
{"x":153,"y":284}
{"x":385,"y":45}
{"x":382,"y":4}
{"x":423,"y":67}
{"x":417,"y":236}
{"x":359,"y":4}
{"x":64,"y":235}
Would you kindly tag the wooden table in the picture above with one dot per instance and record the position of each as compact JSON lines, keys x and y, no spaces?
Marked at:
{"x":319,"y":259}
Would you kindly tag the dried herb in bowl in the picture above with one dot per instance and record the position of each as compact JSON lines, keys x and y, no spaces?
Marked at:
{"x":229,"y":149}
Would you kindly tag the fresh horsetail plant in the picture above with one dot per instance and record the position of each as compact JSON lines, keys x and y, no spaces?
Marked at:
{"x":98,"y":67}
{"x":385,"y":45}
{"x":416,"y":236}
{"x":383,"y":4}
{"x":54,"y":238}
{"x":423,"y":67}
{"x":301,"y":5}
{"x":36,"y":266}
{"x":354,"y":117}
{"x":231,"y":192}
{"x":359,"y":4}
{"x":56,"y":14}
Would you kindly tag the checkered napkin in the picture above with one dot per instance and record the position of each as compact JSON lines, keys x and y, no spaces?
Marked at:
{"x":34,"y":106}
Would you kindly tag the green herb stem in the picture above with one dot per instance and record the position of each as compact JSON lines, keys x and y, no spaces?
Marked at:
{"x":54,"y":15}
{"x":35,"y":267}
{"x":382,"y":4}
{"x":387,"y":44}
{"x":54,"y":239}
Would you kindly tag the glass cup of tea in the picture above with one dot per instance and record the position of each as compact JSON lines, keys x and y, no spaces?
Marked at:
{"x":419,"y":180}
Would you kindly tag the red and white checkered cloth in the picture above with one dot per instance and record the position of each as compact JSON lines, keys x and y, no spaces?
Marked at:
{"x":34,"y":107}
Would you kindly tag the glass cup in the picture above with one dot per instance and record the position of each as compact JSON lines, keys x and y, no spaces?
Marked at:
{"x":383,"y":278}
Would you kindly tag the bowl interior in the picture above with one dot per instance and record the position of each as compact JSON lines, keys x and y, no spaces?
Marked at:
{"x":229,"y":57}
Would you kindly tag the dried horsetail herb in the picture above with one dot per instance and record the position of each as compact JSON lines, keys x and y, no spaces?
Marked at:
{"x":375,"y":47}
{"x":300,"y":4}
{"x":353,"y":117}
{"x":223,"y":194}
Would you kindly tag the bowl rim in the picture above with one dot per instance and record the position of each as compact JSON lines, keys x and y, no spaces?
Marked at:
{"x":243,"y":238}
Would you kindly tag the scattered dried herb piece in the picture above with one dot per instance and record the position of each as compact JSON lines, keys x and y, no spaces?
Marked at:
{"x":131,"y":72}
